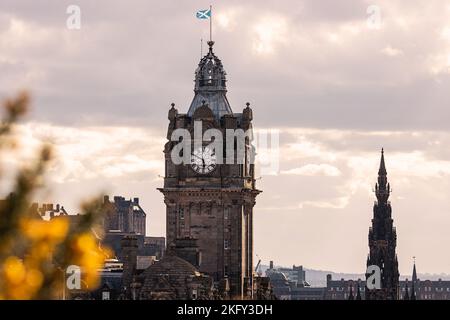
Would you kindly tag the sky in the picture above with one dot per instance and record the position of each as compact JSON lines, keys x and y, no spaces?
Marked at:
{"x":335,"y":83}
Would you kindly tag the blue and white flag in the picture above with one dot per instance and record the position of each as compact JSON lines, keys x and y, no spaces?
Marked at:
{"x":204,"y":14}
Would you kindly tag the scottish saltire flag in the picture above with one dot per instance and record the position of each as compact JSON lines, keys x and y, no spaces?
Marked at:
{"x":204,"y":14}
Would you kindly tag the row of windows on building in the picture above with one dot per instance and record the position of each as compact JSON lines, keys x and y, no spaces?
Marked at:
{"x":227,"y":229}
{"x":106,"y":294}
{"x":346,"y":289}
{"x":226,"y":213}
{"x":422,"y":296}
{"x":429,"y":289}
{"x":425,"y":289}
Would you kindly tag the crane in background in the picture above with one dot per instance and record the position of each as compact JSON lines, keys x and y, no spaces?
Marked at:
{"x":257,"y":266}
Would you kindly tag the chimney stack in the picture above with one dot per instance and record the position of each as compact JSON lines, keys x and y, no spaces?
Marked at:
{"x":129,"y":258}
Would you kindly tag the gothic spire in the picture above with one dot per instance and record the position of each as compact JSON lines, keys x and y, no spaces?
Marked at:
{"x":382,"y":170}
{"x":350,"y":296}
{"x":414,"y":280}
{"x":413,"y":292}
{"x":358,"y":292}
{"x":406,"y":296}
{"x":383,"y":240}
{"x":382,"y":188}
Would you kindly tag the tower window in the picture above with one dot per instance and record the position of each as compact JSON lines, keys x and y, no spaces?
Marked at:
{"x":181,"y":213}
{"x":226,"y":244}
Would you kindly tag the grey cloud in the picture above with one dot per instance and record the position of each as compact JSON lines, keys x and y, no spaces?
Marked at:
{"x":130,"y":60}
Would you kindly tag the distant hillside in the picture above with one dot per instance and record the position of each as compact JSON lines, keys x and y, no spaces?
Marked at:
{"x":318,"y":278}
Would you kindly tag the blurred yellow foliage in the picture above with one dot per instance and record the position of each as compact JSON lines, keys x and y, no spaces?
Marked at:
{"x":21,"y":281}
{"x":53,"y":231}
{"x":89,"y":257}
{"x":35,"y":253}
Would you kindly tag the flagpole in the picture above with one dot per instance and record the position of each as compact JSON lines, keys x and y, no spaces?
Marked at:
{"x":201,"y":48}
{"x":210,"y":23}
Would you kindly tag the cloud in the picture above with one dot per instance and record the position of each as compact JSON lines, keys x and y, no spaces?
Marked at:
{"x":93,"y":152}
{"x":228,"y":18}
{"x":340,"y":207}
{"x":318,"y":195}
{"x":338,"y":203}
{"x":269,"y":32}
{"x":314,"y":170}
{"x":309,"y":61}
{"x":336,"y":90}
{"x":392,"y":52}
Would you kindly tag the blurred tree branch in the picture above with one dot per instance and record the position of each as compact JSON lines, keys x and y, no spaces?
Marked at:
{"x":34,"y":253}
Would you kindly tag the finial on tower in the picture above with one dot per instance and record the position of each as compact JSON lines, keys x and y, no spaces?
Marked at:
{"x":211,"y":44}
{"x":382,"y":170}
{"x":414,"y":274}
{"x":172,"y":112}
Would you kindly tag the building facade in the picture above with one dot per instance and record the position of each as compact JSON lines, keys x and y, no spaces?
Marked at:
{"x":290,"y":284}
{"x":344,"y":289}
{"x":147,"y":246}
{"x":122,"y":215}
{"x":383,"y":241}
{"x":207,"y":199}
{"x":409,"y":289}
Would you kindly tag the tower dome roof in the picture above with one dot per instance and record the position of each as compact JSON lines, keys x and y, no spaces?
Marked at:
{"x":210,"y":74}
{"x":210,"y":85}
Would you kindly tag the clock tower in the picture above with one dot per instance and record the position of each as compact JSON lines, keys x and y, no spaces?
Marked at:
{"x":210,"y":196}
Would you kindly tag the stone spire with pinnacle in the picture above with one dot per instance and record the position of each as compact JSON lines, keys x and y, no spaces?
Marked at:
{"x":414,"y":281}
{"x":382,"y":187}
{"x":414,"y":274}
{"x":406,"y":295}
{"x":383,"y":241}
{"x":358,"y":292}
{"x":382,"y":170}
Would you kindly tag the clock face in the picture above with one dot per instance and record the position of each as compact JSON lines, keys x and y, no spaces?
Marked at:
{"x":203,"y":160}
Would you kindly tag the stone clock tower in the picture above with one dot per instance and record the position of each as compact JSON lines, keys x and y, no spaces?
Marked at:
{"x":209,"y":202}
